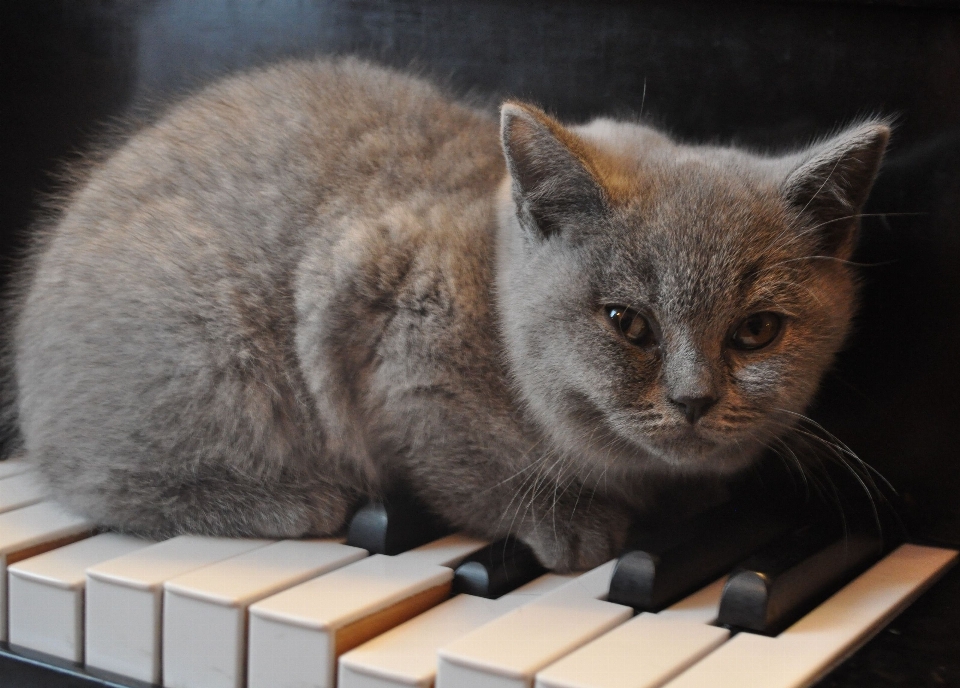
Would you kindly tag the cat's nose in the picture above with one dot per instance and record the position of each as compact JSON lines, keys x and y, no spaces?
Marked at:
{"x":694,"y":407}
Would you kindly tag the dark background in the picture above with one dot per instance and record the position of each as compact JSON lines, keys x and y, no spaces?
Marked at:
{"x":766,"y":74}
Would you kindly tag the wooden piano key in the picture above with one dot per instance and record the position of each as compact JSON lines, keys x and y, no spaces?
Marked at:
{"x":407,"y":654}
{"x":46,"y":604}
{"x":124,"y":601}
{"x":205,"y":611}
{"x":509,"y":651}
{"x":645,"y":651}
{"x":448,"y":551}
{"x":21,"y":489}
{"x":547,"y":583}
{"x":700,"y":607}
{"x":33,"y":530}
{"x":295,"y":636}
{"x":13,"y":466}
{"x":818,"y":642}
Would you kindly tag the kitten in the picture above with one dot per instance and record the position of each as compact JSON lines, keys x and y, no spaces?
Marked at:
{"x":312,"y":282}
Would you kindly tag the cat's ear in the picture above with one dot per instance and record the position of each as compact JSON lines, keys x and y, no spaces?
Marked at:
{"x":830,"y":183}
{"x":553,"y":185}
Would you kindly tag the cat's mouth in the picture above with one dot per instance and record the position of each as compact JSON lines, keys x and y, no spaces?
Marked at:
{"x":701,"y":448}
{"x":690,"y":442}
{"x":683,"y":446}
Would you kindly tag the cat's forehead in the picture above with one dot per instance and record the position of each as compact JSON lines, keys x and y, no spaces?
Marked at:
{"x":649,"y":175}
{"x":696,"y":213}
{"x":691,"y":228}
{"x":697,"y":241}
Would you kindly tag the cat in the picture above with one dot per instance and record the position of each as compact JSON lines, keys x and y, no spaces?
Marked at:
{"x":308,"y":283}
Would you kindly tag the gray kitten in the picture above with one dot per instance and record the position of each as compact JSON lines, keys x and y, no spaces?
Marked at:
{"x":306,"y":284}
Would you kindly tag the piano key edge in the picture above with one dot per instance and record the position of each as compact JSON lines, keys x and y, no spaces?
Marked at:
{"x":35,"y":669}
{"x":950,"y":560}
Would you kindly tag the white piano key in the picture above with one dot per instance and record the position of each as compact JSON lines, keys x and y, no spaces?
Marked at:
{"x":593,"y":584}
{"x":14,"y":466}
{"x":644,"y":652}
{"x":648,"y":650}
{"x":30,"y":531}
{"x":448,"y":551}
{"x":22,"y":489}
{"x":46,"y":594}
{"x":407,"y":654}
{"x":295,"y":636}
{"x":124,"y":601}
{"x":547,"y":583}
{"x":701,"y":607}
{"x":818,"y":642}
{"x":205,"y":611}
{"x":510,"y":650}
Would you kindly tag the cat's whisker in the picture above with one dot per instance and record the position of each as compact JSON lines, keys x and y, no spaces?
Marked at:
{"x":582,"y":480}
{"x":643,"y":97}
{"x":556,"y":487}
{"x":791,"y":460}
{"x":608,"y":448}
{"x":602,"y":477}
{"x":835,"y":259}
{"x":863,"y":478}
{"x":519,"y":495}
{"x":796,"y":462}
{"x":815,"y":227}
{"x":541,"y":479}
{"x":842,"y":455}
{"x":522,"y":506}
{"x":518,"y":498}
{"x":576,"y":501}
{"x":526,"y":468}
{"x":839,"y":443}
{"x":800,"y":233}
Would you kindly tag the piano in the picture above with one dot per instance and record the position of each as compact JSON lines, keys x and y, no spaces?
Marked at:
{"x":768,"y":74}
{"x":735,"y":597}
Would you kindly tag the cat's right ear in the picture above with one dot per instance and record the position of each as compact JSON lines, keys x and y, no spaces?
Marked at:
{"x":553,"y":185}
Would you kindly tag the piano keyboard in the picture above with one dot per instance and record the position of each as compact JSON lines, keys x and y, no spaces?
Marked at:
{"x":208,"y":612}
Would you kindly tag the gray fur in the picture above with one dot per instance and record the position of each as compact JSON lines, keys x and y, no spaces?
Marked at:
{"x":308,"y":282}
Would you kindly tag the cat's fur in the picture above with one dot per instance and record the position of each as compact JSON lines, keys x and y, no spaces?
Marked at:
{"x":309,"y":282}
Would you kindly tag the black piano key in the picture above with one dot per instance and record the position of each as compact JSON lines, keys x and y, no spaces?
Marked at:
{"x":396,"y":524}
{"x":662,"y":567}
{"x":497,"y":569}
{"x":789,"y":577}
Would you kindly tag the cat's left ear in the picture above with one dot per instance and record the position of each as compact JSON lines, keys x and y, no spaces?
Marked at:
{"x":832,"y":180}
{"x":553,"y":184}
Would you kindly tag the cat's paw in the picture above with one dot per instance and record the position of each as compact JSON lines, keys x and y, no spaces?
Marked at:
{"x":585,"y":543}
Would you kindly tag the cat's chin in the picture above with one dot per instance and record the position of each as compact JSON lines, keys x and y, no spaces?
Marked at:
{"x":691,"y":452}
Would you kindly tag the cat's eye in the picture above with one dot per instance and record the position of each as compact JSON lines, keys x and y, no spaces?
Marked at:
{"x":756,"y":331}
{"x":634,"y":327}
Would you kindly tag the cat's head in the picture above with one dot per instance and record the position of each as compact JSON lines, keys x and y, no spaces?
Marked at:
{"x":671,"y":305}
